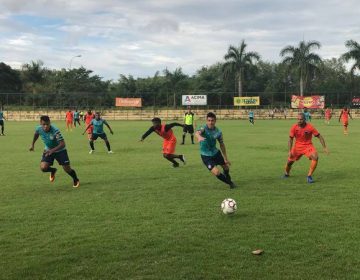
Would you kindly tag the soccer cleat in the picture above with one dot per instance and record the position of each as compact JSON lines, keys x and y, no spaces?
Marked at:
{"x":285,"y":176}
{"x":310,"y":180}
{"x":182,"y":158}
{"x":76,"y":184}
{"x":232,"y":185}
{"x":175,"y":165}
{"x":91,"y":151}
{"x":52,"y":176}
{"x":110,"y":152}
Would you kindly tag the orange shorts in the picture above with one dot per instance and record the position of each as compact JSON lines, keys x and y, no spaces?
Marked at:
{"x":298,"y":151}
{"x":345,"y":123}
{"x":90,"y":130}
{"x":69,"y":121}
{"x":327,"y":117}
{"x":169,"y":147}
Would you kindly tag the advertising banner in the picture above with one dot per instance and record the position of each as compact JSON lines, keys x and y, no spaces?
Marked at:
{"x":355,"y":101}
{"x":189,"y":100}
{"x":311,"y":102}
{"x":247,"y":101}
{"x":128,"y":102}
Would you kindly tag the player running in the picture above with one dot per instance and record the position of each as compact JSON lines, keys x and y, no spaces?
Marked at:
{"x":54,"y":149}
{"x":76,"y":118}
{"x":69,"y":120}
{"x":89,"y":116}
{"x":251,"y":117}
{"x":307,"y":115}
{"x":210,"y":155}
{"x":189,"y":123}
{"x":303,"y":132}
{"x":98,"y":131}
{"x":2,"y":118}
{"x":328,"y":114}
{"x":169,"y":144}
{"x":344,"y":116}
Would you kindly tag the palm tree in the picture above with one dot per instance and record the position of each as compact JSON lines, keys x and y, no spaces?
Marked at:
{"x":352,"y":54}
{"x":237,"y":62}
{"x":302,"y":60}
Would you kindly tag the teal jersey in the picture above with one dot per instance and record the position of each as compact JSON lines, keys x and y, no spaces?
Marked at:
{"x":251,"y":114}
{"x":208,"y":146}
{"x":1,"y":115}
{"x":307,"y":116}
{"x":98,"y":126}
{"x":76,"y":115}
{"x":51,"y":138}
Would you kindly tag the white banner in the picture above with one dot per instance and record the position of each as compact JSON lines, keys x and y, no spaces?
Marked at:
{"x":194,"y":100}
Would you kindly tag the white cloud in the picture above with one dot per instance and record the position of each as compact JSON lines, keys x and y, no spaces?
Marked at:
{"x":139,"y":37}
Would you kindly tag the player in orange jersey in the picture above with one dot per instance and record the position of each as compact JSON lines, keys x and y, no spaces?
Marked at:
{"x":328,"y":114}
{"x":169,"y":144}
{"x":89,"y":116}
{"x":344,"y":116}
{"x":69,"y":117}
{"x":303,"y":132}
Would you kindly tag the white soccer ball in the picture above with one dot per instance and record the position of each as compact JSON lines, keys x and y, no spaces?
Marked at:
{"x":228,"y":206}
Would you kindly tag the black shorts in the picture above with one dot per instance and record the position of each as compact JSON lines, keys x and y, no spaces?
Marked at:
{"x":1,"y":122}
{"x":95,"y":136}
{"x":188,"y":128}
{"x":61,"y":157}
{"x":211,"y":162}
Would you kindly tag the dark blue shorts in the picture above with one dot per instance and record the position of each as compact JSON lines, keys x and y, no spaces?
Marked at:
{"x":1,"y":122}
{"x":95,"y":136}
{"x":211,"y":162}
{"x":61,"y":157}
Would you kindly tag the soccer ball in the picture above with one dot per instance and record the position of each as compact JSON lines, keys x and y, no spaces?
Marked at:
{"x":228,"y":206}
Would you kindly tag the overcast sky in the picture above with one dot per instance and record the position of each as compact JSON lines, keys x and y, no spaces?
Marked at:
{"x":139,"y":37}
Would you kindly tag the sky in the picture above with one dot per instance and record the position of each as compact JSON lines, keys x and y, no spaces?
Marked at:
{"x":140,"y":37}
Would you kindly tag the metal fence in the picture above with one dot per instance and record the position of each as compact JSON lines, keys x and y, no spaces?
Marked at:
{"x":219,"y":100}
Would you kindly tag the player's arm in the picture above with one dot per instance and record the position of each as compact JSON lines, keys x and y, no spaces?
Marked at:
{"x":89,"y":125}
{"x":108,"y":126}
{"x":350,"y":115}
{"x":322,"y":141}
{"x":290,"y":144}
{"x":147,"y":133}
{"x":171,"y":125}
{"x":340,"y":115}
{"x":35,"y":138}
{"x":223,"y":150}
{"x":198,"y":134}
{"x":58,"y":147}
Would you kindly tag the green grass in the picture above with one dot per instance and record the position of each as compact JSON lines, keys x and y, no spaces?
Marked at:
{"x":135,"y":217}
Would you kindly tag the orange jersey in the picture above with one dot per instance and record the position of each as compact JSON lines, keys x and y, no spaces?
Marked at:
{"x":167,"y":135}
{"x":344,"y":115}
{"x":88,"y":118}
{"x":303,"y":135}
{"x":69,"y":116}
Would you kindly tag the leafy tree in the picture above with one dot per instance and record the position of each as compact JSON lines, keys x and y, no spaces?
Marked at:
{"x":238,"y":61}
{"x":300,"y":59}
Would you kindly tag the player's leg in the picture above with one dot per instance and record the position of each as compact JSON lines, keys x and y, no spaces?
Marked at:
{"x":91,"y":142}
{"x":45,"y":166}
{"x":314,"y":157}
{"x":295,"y":155}
{"x":63,"y":160}
{"x":346,"y":128}
{"x":185,"y":130}
{"x":2,"y":127}
{"x":107,"y":143}
{"x":74,"y":122}
{"x":191,"y":131}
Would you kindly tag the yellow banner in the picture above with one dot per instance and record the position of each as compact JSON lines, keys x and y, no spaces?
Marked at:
{"x":247,"y":101}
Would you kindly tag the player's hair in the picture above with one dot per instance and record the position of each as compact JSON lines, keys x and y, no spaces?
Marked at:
{"x":45,"y":119}
{"x":211,"y":115}
{"x":156,"y":120}
{"x":302,"y":115}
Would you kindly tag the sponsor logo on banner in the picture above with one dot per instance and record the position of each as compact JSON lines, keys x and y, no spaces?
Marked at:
{"x":247,"y":101}
{"x":128,"y":102}
{"x":311,"y":102}
{"x":356,"y":101}
{"x":194,"y":100}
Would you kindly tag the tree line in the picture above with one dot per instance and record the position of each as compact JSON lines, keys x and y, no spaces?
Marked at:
{"x":242,"y":72}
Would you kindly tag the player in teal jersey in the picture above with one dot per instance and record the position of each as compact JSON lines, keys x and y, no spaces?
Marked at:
{"x":2,"y":118}
{"x":207,"y":135}
{"x":98,"y":131}
{"x":54,"y":149}
{"x":307,"y":115}
{"x":76,"y":118}
{"x":251,"y":117}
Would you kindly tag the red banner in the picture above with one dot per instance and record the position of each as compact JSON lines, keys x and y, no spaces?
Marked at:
{"x":356,"y":101}
{"x":311,"y":102}
{"x":128,"y":102}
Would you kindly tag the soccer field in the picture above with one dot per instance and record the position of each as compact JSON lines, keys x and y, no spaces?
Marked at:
{"x":136,"y":217}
